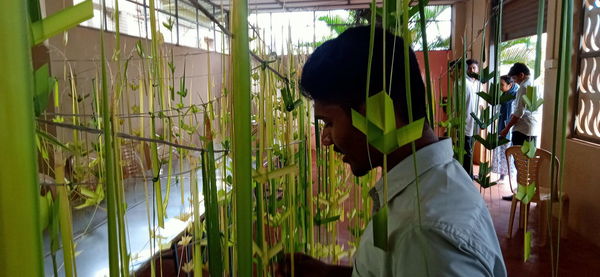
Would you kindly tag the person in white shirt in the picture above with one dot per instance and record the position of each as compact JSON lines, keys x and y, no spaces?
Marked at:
{"x":472,"y":87}
{"x":522,"y":120}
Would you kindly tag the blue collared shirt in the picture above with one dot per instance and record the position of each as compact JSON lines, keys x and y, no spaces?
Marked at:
{"x":455,"y":236}
{"x":506,"y":109}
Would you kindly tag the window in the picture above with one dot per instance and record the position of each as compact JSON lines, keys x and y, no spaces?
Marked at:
{"x":189,"y":26}
{"x":438,"y":22}
{"x":302,"y":29}
{"x":587,"y":117}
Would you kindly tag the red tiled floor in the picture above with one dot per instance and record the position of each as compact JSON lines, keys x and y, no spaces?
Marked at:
{"x":577,"y":256}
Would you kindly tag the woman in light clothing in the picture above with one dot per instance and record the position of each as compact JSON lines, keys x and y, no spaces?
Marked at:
{"x":499,"y":165}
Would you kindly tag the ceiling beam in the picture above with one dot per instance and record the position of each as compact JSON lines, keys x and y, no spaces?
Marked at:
{"x":261,"y":6}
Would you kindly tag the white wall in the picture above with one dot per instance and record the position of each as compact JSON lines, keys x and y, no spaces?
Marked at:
{"x":582,"y":159}
{"x":78,"y":54}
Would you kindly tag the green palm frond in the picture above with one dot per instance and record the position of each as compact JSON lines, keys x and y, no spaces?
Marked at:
{"x":336,"y":23}
{"x":518,"y":53}
{"x":431,"y":14}
{"x":527,"y":41}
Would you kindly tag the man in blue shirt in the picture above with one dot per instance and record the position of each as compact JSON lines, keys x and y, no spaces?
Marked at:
{"x":448,"y":231}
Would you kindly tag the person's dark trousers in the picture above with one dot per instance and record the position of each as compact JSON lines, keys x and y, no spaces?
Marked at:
{"x":468,"y":156}
{"x":519,"y":138}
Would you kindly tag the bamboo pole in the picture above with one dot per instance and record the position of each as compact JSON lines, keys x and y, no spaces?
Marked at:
{"x":242,"y":171}
{"x":260,"y":207}
{"x":197,"y":224}
{"x":111,"y":196}
{"x":65,"y":219}
{"x":156,"y":92}
{"x":121,"y":204}
{"x":497,"y":41}
{"x":19,"y":201}
{"x":538,"y":44}
{"x":407,"y":73}
{"x":430,"y":102}
{"x":563,"y":85}
{"x":209,"y":190}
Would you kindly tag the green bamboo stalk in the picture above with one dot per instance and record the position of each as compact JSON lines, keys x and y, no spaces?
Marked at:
{"x":54,"y":242}
{"x":143,"y":88}
{"x":461,"y":100}
{"x":260,"y":232}
{"x":429,"y":91}
{"x":497,"y":41}
{"x":270,"y":137}
{"x":329,"y":186}
{"x":209,"y":180}
{"x":121,"y":209}
{"x":225,"y":218}
{"x":482,"y":59}
{"x":169,"y":167}
{"x":127,"y":100}
{"x":291,"y":188}
{"x":293,"y":179}
{"x":113,"y":236}
{"x":538,"y":72}
{"x":566,"y":46}
{"x":454,"y":97}
{"x":495,"y":84}
{"x":65,"y":221}
{"x":120,"y":190}
{"x":367,"y":90}
{"x":407,"y":42}
{"x":149,"y":221}
{"x":156,"y":77}
{"x":309,"y":191}
{"x":386,"y":28}
{"x":242,"y":173}
{"x":110,"y":178}
{"x":538,"y":44}
{"x":141,"y":92}
{"x":319,"y":161}
{"x":197,"y":224}
{"x":75,"y":109}
{"x":169,"y":131}
{"x":303,"y":170}
{"x":494,"y":126}
{"x":209,"y":83}
{"x":260,"y":207}
{"x":113,"y":240}
{"x":19,"y":201}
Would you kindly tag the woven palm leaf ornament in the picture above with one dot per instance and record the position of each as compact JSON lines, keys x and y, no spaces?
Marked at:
{"x":379,"y":121}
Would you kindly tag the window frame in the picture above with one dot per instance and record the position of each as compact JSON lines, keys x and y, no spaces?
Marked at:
{"x":175,"y":32}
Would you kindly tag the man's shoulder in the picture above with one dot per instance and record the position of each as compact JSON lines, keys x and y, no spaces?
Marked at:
{"x":450,"y":200}
{"x":527,"y":83}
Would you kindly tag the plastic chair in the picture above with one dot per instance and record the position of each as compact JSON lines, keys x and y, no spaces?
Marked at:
{"x":528,"y":171}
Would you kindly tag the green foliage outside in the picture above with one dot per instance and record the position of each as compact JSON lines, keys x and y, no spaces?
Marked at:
{"x":339,"y":24}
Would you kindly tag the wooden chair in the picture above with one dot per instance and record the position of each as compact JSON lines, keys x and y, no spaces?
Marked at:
{"x":131,"y":165}
{"x":529,"y":171}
